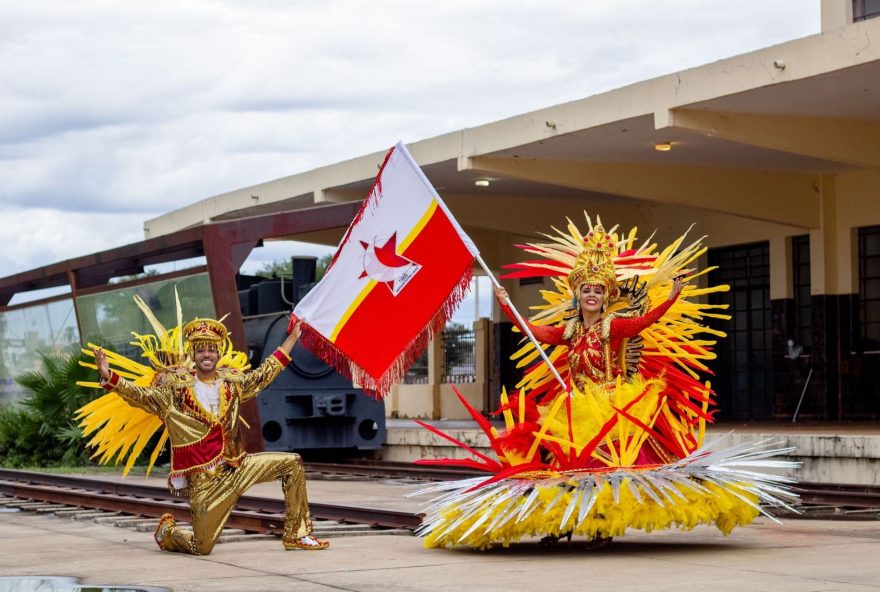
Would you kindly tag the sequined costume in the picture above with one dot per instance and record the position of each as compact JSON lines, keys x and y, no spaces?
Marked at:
{"x":208,"y":459}
{"x":624,"y":447}
{"x":593,"y":351}
{"x":200,"y":440}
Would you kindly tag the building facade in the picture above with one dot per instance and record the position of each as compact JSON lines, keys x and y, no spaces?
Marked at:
{"x":774,"y":155}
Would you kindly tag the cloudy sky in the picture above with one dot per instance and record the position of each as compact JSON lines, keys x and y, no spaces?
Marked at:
{"x":114,"y":112}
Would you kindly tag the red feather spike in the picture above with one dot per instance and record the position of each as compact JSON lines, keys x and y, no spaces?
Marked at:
{"x":587,"y":451}
{"x":519,"y":438}
{"x":489,"y":462}
{"x":455,"y":462}
{"x":481,"y":421}
{"x":512,"y":472}
{"x":670,"y":446}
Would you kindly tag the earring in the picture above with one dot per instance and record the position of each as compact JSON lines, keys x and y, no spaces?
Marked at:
{"x":575,"y":303}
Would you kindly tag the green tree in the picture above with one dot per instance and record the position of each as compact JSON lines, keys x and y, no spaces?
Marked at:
{"x":284,"y":268}
{"x":137,"y":276}
{"x":41,"y":430}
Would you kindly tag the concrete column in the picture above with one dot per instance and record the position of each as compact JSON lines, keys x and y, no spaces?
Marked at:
{"x":836,"y":14}
{"x":420,"y":401}
{"x":780,"y":268}
{"x":436,"y":363}
{"x":824,"y":243}
{"x":824,"y":305}
{"x":482,"y":356}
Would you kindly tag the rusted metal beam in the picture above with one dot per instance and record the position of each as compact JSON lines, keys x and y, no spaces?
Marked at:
{"x":258,"y":514}
{"x":95,"y":269}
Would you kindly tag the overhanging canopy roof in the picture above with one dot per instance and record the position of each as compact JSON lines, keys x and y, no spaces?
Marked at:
{"x":751,"y":136}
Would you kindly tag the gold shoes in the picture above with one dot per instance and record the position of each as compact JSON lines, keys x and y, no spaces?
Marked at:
{"x":166,"y":523}
{"x":308,"y":542}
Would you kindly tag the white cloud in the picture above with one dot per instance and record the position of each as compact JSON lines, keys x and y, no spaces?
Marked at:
{"x":134,"y":109}
{"x":39,"y":236}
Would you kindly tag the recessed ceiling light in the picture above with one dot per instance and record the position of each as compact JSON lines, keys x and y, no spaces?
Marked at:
{"x":663,"y":146}
{"x":482,"y":182}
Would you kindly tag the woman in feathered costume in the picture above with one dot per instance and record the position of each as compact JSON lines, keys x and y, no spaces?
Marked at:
{"x":619,"y":443}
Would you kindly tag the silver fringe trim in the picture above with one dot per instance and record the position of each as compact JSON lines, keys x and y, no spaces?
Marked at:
{"x":736,"y":470}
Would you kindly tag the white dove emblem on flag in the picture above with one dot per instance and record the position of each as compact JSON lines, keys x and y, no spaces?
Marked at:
{"x":383,"y":264}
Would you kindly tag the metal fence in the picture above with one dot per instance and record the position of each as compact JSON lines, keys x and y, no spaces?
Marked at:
{"x":460,"y":356}
{"x":417,"y":373}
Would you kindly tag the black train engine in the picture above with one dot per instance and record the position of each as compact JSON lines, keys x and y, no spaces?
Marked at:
{"x":309,"y":406}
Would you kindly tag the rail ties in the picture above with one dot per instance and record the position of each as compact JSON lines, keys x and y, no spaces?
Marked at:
{"x":835,"y":501}
{"x":392,"y":470}
{"x":818,"y":500}
{"x":118,"y":503}
{"x":132,"y":505}
{"x":858,"y":496}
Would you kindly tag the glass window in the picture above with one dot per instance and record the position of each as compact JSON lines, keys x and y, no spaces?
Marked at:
{"x":869,"y":287}
{"x":865,"y":9}
{"x":27,"y":332}
{"x":743,"y":365}
{"x":108,"y":318}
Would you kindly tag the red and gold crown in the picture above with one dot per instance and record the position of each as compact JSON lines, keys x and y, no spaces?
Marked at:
{"x":205,"y":333}
{"x":595,"y":264}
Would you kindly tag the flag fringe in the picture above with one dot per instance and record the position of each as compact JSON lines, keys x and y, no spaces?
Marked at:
{"x":370,"y":201}
{"x":379,"y":387}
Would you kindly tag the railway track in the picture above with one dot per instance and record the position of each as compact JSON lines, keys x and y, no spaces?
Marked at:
{"x":818,"y":500}
{"x":253,"y":514}
{"x":391,"y":470}
{"x":838,"y":501}
{"x":121,"y":503}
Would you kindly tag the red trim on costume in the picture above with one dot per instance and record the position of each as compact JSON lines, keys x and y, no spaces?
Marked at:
{"x":198,"y":453}
{"x":190,"y":403}
{"x":282,"y":357}
{"x":112,"y":382}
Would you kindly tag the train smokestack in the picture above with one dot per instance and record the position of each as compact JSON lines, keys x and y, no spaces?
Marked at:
{"x":303,"y":267}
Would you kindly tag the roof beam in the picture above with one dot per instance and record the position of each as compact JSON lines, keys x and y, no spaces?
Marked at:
{"x":849,"y":141}
{"x":95,"y":269}
{"x":789,"y":198}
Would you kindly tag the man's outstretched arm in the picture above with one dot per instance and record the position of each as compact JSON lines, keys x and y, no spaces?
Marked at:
{"x":152,"y":399}
{"x":272,"y":366}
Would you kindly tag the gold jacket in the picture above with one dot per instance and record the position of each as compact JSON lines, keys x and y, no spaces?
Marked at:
{"x":200,"y":440}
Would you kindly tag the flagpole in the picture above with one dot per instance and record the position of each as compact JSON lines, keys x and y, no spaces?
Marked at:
{"x":524,"y":325}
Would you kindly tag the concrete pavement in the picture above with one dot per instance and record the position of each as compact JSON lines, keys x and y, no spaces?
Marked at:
{"x":798,"y":556}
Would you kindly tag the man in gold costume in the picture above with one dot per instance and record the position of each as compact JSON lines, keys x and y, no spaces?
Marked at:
{"x":200,"y":408}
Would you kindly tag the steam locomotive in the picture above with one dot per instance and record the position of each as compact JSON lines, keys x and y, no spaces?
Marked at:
{"x":309,"y":406}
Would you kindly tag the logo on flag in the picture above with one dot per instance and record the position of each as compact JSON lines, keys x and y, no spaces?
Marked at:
{"x":404,"y":238}
{"x":384,"y":264}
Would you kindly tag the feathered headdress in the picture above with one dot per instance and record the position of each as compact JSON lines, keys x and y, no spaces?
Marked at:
{"x":595,"y":264}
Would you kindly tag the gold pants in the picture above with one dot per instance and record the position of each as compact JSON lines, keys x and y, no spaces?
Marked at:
{"x":212,"y":497}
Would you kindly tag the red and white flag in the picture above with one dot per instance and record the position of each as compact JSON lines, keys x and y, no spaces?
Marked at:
{"x":401,"y":269}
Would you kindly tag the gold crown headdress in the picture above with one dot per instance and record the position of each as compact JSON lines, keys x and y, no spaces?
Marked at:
{"x":595,"y":263}
{"x":205,"y":333}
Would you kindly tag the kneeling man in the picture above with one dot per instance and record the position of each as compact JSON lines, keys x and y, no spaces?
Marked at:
{"x":201,"y":408}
